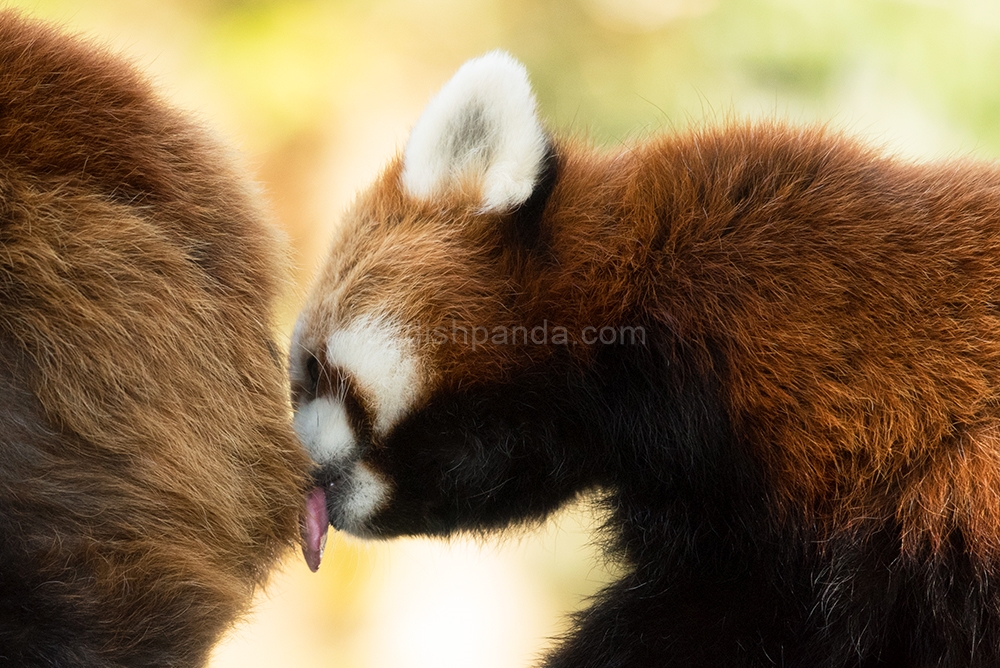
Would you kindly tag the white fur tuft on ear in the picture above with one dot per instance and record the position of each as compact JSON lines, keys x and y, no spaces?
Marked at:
{"x":481,"y":125}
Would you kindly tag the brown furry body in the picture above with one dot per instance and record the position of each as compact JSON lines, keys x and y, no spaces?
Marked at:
{"x":148,"y":474}
{"x":850,"y":302}
{"x":791,"y":254}
{"x":802,"y":459}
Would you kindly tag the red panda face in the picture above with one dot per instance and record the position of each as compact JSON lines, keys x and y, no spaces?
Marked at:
{"x":413,"y":325}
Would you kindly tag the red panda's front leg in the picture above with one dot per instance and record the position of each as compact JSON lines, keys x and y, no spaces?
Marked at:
{"x":694,"y":623}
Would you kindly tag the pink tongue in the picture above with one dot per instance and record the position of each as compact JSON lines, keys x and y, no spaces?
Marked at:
{"x":314,"y":527}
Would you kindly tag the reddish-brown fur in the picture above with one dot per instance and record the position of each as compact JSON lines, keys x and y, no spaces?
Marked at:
{"x":852,"y":295}
{"x":148,"y":474}
{"x":799,"y":456}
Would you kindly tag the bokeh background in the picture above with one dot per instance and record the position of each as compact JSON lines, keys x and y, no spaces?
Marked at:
{"x":316,"y":94}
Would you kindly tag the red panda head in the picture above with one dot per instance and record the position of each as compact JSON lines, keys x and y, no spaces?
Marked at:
{"x":426,"y":310}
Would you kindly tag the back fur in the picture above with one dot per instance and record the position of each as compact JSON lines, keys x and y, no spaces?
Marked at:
{"x":800,"y":455}
{"x":846,"y":300}
{"x":148,"y":475}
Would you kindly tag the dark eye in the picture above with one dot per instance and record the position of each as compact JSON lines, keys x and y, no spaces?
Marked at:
{"x":312,"y":371}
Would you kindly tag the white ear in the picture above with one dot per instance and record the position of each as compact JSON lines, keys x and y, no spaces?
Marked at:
{"x":483,"y":126}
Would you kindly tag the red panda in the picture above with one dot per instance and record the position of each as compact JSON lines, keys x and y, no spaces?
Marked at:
{"x":773,"y":351}
{"x":149,"y":473}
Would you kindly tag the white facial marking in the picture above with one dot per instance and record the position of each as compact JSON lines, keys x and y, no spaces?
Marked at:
{"x":324,"y":430}
{"x":382,"y":361}
{"x":366,"y":492}
{"x":483,"y":123}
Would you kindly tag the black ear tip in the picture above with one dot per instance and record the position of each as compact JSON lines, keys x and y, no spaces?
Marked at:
{"x":526,"y":219}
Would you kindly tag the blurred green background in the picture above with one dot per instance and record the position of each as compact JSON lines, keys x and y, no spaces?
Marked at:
{"x":318,"y":93}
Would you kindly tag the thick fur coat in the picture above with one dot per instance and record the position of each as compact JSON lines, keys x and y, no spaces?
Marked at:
{"x":775,"y":351}
{"x":149,"y":476}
